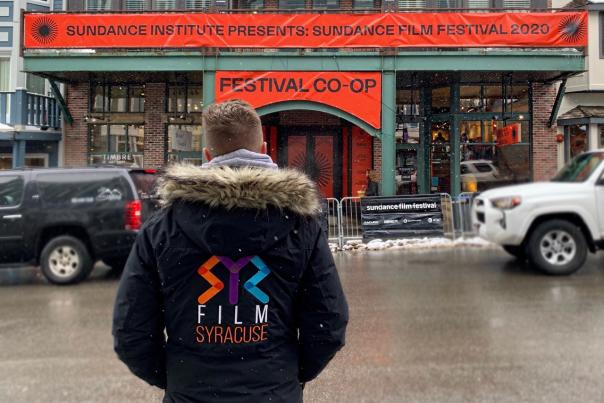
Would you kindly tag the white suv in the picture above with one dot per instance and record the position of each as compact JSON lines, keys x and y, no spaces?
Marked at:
{"x":552,"y":224}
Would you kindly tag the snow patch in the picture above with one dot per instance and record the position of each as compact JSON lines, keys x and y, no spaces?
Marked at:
{"x":412,"y":244}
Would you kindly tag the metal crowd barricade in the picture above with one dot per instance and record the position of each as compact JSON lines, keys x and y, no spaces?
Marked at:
{"x":350,"y":219}
{"x":446,"y":205}
{"x":462,"y":214}
{"x":344,"y":217}
{"x":333,"y":220}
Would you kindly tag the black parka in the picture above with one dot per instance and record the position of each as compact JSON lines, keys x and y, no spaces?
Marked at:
{"x":238,"y":275}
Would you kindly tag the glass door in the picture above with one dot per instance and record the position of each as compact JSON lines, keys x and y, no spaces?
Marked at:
{"x":440,"y":157}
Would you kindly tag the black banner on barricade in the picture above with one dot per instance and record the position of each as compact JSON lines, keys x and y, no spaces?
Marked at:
{"x":401,"y":216}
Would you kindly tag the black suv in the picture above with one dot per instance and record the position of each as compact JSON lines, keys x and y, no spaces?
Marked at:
{"x":64,"y":219}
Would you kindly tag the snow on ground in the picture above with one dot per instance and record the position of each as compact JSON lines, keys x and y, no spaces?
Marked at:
{"x":411,"y":243}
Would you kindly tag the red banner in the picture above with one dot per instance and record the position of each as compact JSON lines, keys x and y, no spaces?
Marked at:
{"x":358,"y":93}
{"x":390,"y":30}
{"x":508,"y":135}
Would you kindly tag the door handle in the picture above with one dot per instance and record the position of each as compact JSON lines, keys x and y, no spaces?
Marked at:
{"x":12,"y":217}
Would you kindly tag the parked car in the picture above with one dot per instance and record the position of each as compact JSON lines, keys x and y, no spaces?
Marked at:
{"x":475,"y":173}
{"x":552,"y":224}
{"x":66,"y":219}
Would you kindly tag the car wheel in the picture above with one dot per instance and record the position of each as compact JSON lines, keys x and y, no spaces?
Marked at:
{"x":557,"y":247}
{"x":518,"y":251}
{"x":65,"y":260}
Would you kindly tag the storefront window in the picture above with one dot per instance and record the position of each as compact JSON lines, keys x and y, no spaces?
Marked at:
{"x":137,"y":99}
{"x":493,"y":153}
{"x":99,"y":138}
{"x":440,"y":157}
{"x":194,"y":99}
{"x":185,"y":98}
{"x":407,"y":103}
{"x":489,"y":98}
{"x":493,"y":98}
{"x":117,"y":98}
{"x":577,"y":141}
{"x":441,"y":100}
{"x":117,"y":144}
{"x":176,"y":99}
{"x":117,"y":139}
{"x":184,"y":143}
{"x":407,"y":133}
{"x":470,"y":99}
{"x":100,"y":103}
{"x":406,"y":171}
{"x":518,"y":99}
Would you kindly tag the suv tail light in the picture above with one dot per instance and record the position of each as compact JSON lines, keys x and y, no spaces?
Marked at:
{"x":132,"y":220}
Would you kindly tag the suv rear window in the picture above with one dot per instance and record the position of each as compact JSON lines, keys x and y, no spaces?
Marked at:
{"x":482,"y":167}
{"x":83,"y":188}
{"x":11,"y":190}
{"x":145,"y":182}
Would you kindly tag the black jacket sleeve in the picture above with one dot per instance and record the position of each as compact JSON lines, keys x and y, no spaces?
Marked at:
{"x":322,"y":312}
{"x":138,"y":322}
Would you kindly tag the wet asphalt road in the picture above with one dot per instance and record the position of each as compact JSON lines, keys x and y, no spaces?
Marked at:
{"x":462,"y":325}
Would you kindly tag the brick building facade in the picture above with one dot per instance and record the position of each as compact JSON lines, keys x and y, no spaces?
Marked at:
{"x":448,"y":121}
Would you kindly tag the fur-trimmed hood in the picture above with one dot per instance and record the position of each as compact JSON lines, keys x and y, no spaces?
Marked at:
{"x":246,"y":187}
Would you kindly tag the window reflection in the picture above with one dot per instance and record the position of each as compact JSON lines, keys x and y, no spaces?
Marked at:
{"x":577,"y":139}
{"x":441,"y":100}
{"x":493,"y":153}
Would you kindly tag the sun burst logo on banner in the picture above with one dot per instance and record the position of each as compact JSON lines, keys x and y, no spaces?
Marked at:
{"x":44,"y":30}
{"x":572,"y":28}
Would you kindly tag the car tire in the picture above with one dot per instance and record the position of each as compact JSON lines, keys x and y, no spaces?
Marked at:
{"x":557,"y":247}
{"x":65,"y":260}
{"x":518,"y":251}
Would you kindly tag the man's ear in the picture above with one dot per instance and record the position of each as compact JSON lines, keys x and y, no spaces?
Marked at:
{"x":206,"y":153}
{"x":263,"y":148}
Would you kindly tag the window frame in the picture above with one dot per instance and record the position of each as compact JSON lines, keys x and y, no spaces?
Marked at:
{"x":186,"y":86}
{"x":108,"y":152}
{"x":107,"y":101}
{"x":182,"y":155}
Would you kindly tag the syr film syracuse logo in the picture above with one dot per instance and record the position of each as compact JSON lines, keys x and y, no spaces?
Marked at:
{"x":231,"y":326}
{"x":43,"y":30}
{"x":573,"y":28}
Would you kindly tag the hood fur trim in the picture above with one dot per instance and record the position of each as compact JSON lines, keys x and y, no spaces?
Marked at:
{"x":245,"y":187}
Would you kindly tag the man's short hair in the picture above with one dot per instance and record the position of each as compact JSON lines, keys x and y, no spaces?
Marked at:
{"x":230,"y":126}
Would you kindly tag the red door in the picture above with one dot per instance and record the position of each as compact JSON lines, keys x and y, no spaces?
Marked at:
{"x":313,"y":155}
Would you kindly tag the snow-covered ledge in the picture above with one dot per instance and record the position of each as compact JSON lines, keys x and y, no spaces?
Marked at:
{"x":412,"y":244}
